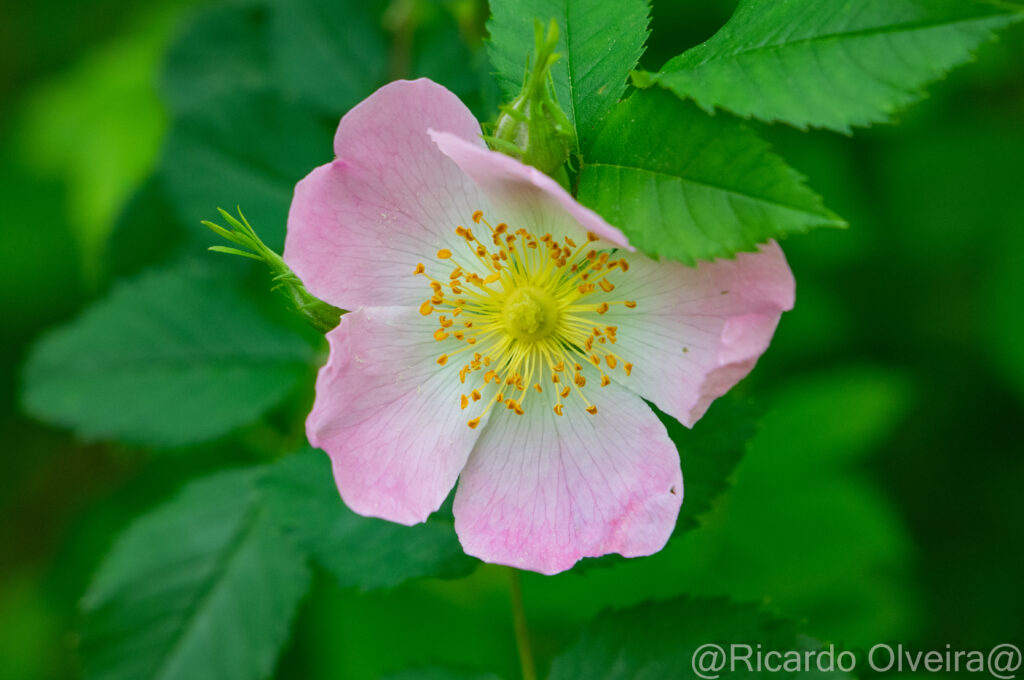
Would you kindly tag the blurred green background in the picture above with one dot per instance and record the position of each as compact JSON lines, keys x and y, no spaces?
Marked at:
{"x":879,"y":501}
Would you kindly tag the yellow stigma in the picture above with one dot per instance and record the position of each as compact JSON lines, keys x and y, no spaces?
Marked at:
{"x":529,"y":313}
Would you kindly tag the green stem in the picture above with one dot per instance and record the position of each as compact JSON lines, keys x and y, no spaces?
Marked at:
{"x":519,"y":620}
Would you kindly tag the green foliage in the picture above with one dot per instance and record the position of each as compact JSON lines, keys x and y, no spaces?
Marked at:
{"x":358,"y":551}
{"x":439,"y":674}
{"x":248,"y":149}
{"x":826,"y":63}
{"x":173,"y":357}
{"x":330,"y":53}
{"x":709,"y":452}
{"x":600,"y":43}
{"x":837,"y":511}
{"x":688,"y":186}
{"x":105,"y":150}
{"x":234,"y":36}
{"x":201,"y":587}
{"x":802,"y":523}
{"x":658,"y":640}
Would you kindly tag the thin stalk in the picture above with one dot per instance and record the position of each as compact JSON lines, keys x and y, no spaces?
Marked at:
{"x":515,"y":589}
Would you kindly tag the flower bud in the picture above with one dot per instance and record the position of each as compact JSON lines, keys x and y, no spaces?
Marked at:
{"x":532,"y":127}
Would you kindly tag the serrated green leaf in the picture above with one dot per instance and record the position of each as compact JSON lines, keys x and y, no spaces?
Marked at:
{"x":600,"y":43}
{"x":202,"y":587}
{"x":657,"y":641}
{"x":709,"y":452}
{"x":688,"y":186}
{"x":830,"y":63}
{"x":358,"y":551}
{"x":171,"y":358}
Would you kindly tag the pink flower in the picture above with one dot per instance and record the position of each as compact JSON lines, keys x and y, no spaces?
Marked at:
{"x":502,"y":336}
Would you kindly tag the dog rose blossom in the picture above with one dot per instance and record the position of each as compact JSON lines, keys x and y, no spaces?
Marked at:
{"x":505,"y":337}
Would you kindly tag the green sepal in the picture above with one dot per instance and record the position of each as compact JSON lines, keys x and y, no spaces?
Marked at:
{"x":322,"y":315}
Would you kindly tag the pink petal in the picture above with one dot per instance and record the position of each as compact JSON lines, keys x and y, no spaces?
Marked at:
{"x":541,"y":491}
{"x":358,"y":226}
{"x":696,"y":332}
{"x":523,"y":196}
{"x":389,"y":416}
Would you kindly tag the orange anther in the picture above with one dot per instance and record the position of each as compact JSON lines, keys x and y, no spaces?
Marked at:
{"x":473,"y":423}
{"x":465,"y":402}
{"x":478,"y":215}
{"x":565,"y":392}
{"x":603,"y":307}
{"x":611,"y":361}
{"x":442,"y":360}
{"x":419,"y":269}
{"x":439,"y":334}
{"x":630,"y":303}
{"x":592,"y":410}
{"x":426,"y":308}
{"x":605,"y":380}
{"x":606,"y":285}
{"x":628,"y":368}
{"x":475,"y":394}
{"x":444,"y":253}
{"x":558,"y":409}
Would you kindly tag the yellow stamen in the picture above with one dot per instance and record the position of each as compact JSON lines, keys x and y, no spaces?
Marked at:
{"x":526,"y":303}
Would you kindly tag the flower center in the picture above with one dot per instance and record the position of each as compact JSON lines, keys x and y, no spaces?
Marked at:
{"x":529,"y":314}
{"x":524,"y":314}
